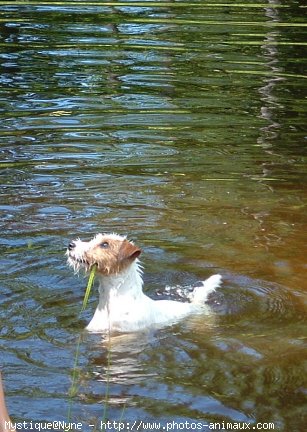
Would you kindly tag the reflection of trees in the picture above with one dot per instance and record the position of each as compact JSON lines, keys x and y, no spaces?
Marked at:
{"x":207,"y":374}
{"x":269,"y":101}
{"x":281,"y":59}
{"x":8,"y":66}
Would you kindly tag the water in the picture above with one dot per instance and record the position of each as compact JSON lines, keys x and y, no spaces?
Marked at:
{"x":183,"y":126}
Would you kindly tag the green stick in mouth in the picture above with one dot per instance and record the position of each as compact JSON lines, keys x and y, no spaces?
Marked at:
{"x":89,"y":286}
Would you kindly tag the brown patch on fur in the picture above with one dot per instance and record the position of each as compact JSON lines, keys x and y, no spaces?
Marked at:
{"x":128,"y":251}
{"x":112,"y":255}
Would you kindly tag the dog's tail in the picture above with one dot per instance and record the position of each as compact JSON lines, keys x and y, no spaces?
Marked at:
{"x":200,"y":294}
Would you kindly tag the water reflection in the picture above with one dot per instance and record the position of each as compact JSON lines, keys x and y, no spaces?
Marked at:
{"x":182,"y":127}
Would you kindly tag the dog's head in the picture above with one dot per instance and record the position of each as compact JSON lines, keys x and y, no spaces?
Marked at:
{"x":112,"y":254}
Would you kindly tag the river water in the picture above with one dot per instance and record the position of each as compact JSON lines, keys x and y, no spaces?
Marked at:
{"x":181,"y":125}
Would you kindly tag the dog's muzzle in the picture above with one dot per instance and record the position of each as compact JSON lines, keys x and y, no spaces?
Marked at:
{"x":71,"y":245}
{"x":76,"y":257}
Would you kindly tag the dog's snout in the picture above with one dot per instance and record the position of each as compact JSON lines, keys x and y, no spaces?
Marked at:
{"x":71,"y":245}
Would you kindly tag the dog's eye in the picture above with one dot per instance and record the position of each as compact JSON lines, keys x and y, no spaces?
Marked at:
{"x":104,"y":245}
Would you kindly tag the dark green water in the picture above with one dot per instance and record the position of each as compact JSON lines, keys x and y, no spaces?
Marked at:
{"x":182,"y":125}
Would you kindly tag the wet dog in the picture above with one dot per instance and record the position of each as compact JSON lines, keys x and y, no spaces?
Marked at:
{"x":122,"y":304}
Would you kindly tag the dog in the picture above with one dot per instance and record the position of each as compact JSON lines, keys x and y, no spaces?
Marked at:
{"x":123,"y":307}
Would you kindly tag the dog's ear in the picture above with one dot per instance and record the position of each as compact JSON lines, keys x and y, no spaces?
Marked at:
{"x":128,"y":251}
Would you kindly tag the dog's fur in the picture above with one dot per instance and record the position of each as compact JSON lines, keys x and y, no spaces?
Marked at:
{"x":122,"y":304}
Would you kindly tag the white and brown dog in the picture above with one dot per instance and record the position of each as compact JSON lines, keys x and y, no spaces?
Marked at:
{"x":122,"y":304}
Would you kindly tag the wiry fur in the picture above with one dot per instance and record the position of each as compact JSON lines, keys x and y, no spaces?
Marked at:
{"x":122,"y":304}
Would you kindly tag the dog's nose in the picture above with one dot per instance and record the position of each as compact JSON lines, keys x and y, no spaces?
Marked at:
{"x":71,"y":245}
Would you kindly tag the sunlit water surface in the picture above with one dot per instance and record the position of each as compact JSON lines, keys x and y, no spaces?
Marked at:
{"x":183,"y":126}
